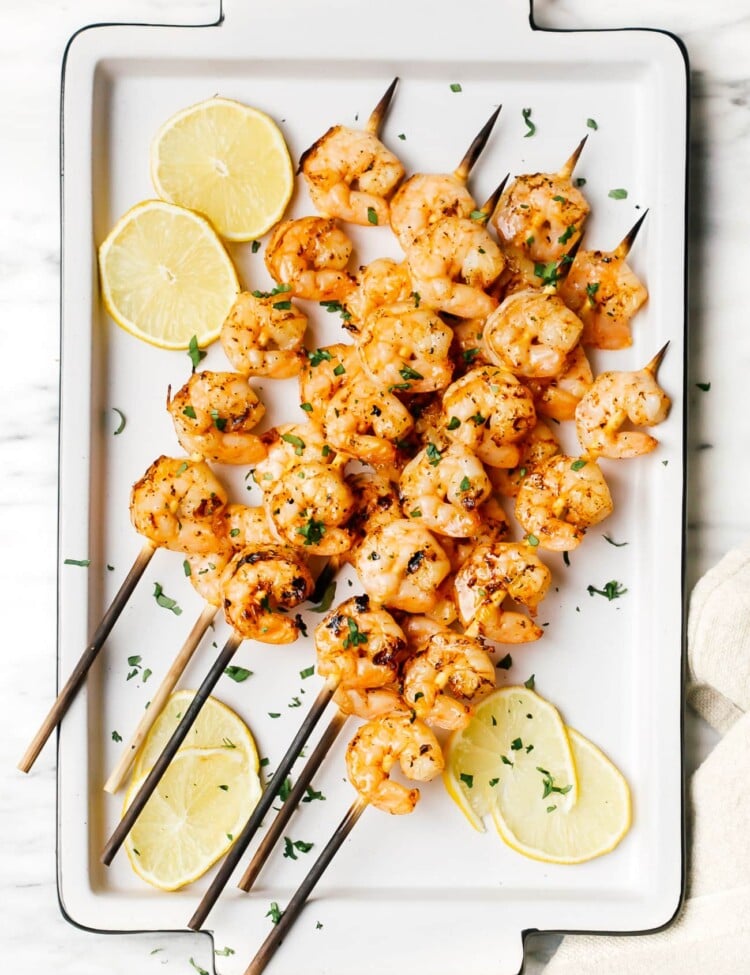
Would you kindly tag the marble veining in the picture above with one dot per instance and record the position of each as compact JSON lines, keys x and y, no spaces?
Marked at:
{"x":32,"y":40}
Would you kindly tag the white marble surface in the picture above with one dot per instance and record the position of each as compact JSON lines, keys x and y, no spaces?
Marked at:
{"x":32,"y":39}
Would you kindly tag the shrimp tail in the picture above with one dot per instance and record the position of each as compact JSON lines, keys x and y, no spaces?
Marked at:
{"x":377,"y":117}
{"x":475,"y":149}
{"x":567,"y":170}
{"x":623,"y":248}
{"x":488,"y":208}
{"x":653,"y":366}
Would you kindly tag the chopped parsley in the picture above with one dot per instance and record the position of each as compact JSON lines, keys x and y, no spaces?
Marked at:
{"x":280,"y":289}
{"x":516,"y":745}
{"x":406,"y":372}
{"x":195,"y":353}
{"x":478,"y":215}
{"x":456,"y":87}
{"x":613,"y":542}
{"x":354,"y":637}
{"x":307,"y":672}
{"x":226,"y":952}
{"x":122,"y":423}
{"x":83,"y":563}
{"x":372,"y":216}
{"x":197,"y":967}
{"x":531,"y":128}
{"x":275,"y":913}
{"x":186,"y":568}
{"x":336,"y":306}
{"x":164,"y":601}
{"x":618,"y":194}
{"x":565,"y":237}
{"x":319,"y":355}
{"x":612,"y":590}
{"x":530,"y":683}
{"x":433,"y":454}
{"x":297,"y":442}
{"x":532,"y":540}
{"x":549,"y":784}
{"x":339,"y":370}
{"x":591,"y":289}
{"x":467,"y":779}
{"x":116,"y":736}
{"x":506,"y":761}
{"x":255,"y":246}
{"x":579,"y":464}
{"x":312,"y":531}
{"x":290,"y":846}
{"x":454,"y":423}
{"x":465,"y":484}
{"x":592,"y":124}
{"x":311,"y":795}
{"x":238,"y":674}
{"x":469,"y":355}
{"x":189,"y":411}
{"x":506,"y":663}
{"x":704,"y":386}
{"x":219,"y":421}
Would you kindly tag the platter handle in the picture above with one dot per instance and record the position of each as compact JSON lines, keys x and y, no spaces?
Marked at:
{"x":501,"y":19}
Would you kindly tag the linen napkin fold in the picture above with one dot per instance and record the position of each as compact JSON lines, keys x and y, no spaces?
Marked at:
{"x":711,"y":935}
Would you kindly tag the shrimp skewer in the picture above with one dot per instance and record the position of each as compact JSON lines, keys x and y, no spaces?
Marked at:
{"x":167,"y":488}
{"x":261,"y":583}
{"x":426,"y":198}
{"x":350,"y":174}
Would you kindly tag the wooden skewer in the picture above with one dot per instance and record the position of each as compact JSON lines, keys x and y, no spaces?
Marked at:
{"x":653,"y":366}
{"x":170,"y":749}
{"x":623,"y":248}
{"x":475,"y":149}
{"x":567,"y":170}
{"x":269,"y":794}
{"x":273,"y":835}
{"x":375,"y":120}
{"x":159,"y":700}
{"x":76,"y":679}
{"x":268,"y":949}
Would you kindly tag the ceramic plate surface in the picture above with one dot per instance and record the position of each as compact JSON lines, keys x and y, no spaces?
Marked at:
{"x":424,"y":892}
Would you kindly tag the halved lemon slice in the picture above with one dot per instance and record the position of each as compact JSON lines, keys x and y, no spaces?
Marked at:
{"x":217,"y":726}
{"x":202,"y":802}
{"x":228,"y":161}
{"x":555,"y":830}
{"x":515,"y":741}
{"x":166,"y":277}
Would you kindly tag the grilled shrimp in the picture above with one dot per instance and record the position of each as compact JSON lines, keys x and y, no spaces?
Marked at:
{"x":614,"y":399}
{"x":323,"y":373}
{"x":364,"y":420}
{"x":262,"y":335}
{"x":206,"y":574}
{"x":445,"y":677}
{"x":261,"y":584}
{"x":375,"y":749}
{"x":375,"y":504}
{"x":349,"y":172}
{"x":605,"y":293}
{"x":452,"y":263}
{"x":360,"y":645}
{"x":424,"y":200}
{"x":558,"y":398}
{"x":239,"y":525}
{"x":443,"y":489}
{"x":367,"y":703}
{"x":541,"y":214}
{"x":494,"y":527}
{"x":401,"y":565}
{"x":560,"y":499}
{"x":288,"y":446}
{"x":308,"y":506}
{"x":174,"y":503}
{"x":489,"y":411}
{"x":538,"y":445}
{"x":406,"y":348}
{"x":310,"y":255}
{"x":381,"y":282}
{"x":213,"y":415}
{"x":531,"y":334}
{"x":493,"y":573}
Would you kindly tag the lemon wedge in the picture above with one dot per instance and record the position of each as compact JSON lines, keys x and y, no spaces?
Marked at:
{"x":217,"y":726}
{"x":229,"y":162}
{"x":166,"y":277}
{"x":559,"y":832}
{"x":202,"y":802}
{"x":496,"y":758}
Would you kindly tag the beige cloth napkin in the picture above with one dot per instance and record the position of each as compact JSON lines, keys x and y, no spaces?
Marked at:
{"x":711,"y":936}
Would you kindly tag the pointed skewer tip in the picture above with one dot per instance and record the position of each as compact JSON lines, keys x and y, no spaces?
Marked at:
{"x":378,"y":114}
{"x":492,"y":201}
{"x":623,"y":248}
{"x":567,"y":170}
{"x":475,"y":149}
{"x":653,"y":366}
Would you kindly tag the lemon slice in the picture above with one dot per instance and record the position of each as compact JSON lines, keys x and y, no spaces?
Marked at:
{"x":166,"y":277}
{"x":227,"y":161}
{"x":559,"y":832}
{"x":202,"y":802}
{"x":217,"y":726}
{"x":495,"y":759}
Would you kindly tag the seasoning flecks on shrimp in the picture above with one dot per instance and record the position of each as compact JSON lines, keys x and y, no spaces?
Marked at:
{"x":489,"y":410}
{"x":401,"y":565}
{"x":174,"y":503}
{"x":375,"y":749}
{"x":424,"y":199}
{"x":263,"y":333}
{"x":531,"y":334}
{"x":308,"y":506}
{"x":311,"y":255}
{"x":289,"y":446}
{"x":490,"y":575}
{"x":406,"y":347}
{"x":444,"y":489}
{"x":445,"y":677}
{"x":375,"y":504}
{"x":240,"y":525}
{"x":558,"y":398}
{"x":381,"y":282}
{"x":322,"y":375}
{"x":214,"y":414}
{"x":261,"y":585}
{"x":360,"y":645}
{"x":560,"y":499}
{"x":605,"y":293}
{"x":350,"y":174}
{"x":538,"y":445}
{"x":540,"y":214}
{"x":616,"y":398}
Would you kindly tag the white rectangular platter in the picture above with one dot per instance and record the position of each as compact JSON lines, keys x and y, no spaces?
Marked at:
{"x":424,"y":892}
